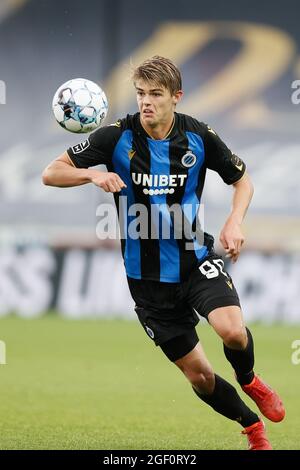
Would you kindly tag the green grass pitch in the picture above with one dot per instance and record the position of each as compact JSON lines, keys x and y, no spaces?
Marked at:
{"x":102,"y":385}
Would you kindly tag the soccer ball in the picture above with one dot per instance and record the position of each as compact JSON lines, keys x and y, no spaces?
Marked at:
{"x":80,"y":105}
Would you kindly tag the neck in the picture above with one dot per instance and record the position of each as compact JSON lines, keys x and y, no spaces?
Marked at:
{"x":161,"y":131}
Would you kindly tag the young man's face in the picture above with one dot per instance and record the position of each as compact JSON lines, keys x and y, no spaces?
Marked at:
{"x":155,"y":102}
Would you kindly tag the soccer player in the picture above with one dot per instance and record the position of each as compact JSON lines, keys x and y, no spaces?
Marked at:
{"x":157,"y":158}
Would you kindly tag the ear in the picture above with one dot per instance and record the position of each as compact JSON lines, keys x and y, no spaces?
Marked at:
{"x":177,"y":97}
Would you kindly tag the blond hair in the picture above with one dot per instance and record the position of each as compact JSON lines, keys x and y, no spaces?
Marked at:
{"x":161,"y":71}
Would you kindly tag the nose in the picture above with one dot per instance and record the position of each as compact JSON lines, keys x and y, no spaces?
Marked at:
{"x":146,"y":100}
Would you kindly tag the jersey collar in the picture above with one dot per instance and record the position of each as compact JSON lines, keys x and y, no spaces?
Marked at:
{"x":144,"y":133}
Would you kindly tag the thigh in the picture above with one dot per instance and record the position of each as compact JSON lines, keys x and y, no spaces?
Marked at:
{"x":161,"y":309}
{"x":177,"y":348}
{"x":228,"y":323}
{"x":194,"y":362}
{"x":164,"y":325}
{"x":210,"y":287}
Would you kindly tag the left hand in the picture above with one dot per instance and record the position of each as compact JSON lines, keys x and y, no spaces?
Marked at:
{"x":232,"y":239}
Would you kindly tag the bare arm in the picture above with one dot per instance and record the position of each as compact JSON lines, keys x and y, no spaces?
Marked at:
{"x":62,"y":173}
{"x":231,"y":235}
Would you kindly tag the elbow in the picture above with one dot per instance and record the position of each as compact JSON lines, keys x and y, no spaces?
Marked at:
{"x":46,"y":177}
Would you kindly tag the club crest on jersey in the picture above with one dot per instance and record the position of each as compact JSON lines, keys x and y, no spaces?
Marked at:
{"x":189,"y":159}
{"x":81,"y":147}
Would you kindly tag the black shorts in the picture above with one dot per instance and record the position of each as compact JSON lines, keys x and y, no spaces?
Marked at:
{"x":167,"y":310}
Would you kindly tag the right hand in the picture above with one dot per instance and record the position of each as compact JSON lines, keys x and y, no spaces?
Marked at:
{"x":110,"y":182}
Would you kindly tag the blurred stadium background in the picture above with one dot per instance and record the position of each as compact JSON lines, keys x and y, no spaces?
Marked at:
{"x":238,"y":64}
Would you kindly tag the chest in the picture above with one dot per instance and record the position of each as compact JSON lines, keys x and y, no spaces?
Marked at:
{"x":177,"y":155}
{"x":160,"y":167}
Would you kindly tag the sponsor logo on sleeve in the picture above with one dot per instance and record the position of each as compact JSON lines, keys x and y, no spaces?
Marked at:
{"x":81,"y":147}
{"x":237,"y":162}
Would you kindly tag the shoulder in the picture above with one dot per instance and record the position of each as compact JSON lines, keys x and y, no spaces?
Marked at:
{"x":207,"y":133}
{"x":190,"y":124}
{"x":112,"y":132}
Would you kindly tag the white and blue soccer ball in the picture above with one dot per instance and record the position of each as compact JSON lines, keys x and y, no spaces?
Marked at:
{"x":80,"y":105}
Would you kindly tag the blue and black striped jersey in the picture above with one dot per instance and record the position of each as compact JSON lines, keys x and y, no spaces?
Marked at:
{"x":160,"y":174}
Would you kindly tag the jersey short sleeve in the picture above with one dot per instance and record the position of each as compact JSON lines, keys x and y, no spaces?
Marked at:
{"x":97,"y":149}
{"x":220,"y":159}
